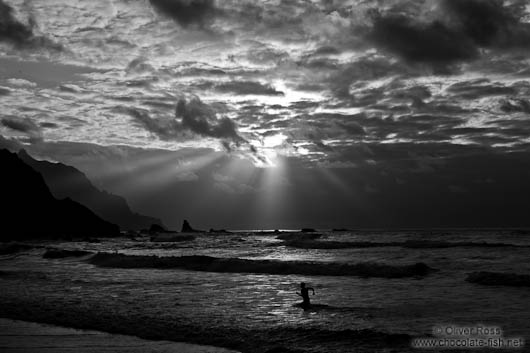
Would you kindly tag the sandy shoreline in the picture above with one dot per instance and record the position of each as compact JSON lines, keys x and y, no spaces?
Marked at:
{"x":22,"y":336}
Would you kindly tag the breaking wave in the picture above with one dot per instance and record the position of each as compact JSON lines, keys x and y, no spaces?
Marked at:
{"x":299,"y":236}
{"x":411,"y":244}
{"x":250,"y":339}
{"x":22,"y":274}
{"x":62,"y":253}
{"x":499,"y":279}
{"x":274,"y":267}
{"x":14,"y":248}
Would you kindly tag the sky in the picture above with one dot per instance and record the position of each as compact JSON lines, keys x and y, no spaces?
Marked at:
{"x":279,"y":114}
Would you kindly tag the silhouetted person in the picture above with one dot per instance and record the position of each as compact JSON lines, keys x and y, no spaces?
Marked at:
{"x":304,"y":293}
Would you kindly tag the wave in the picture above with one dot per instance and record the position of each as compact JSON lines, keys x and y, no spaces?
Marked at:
{"x":448,"y":244}
{"x":63,"y":253}
{"x":411,"y":244}
{"x":13,"y":248}
{"x":22,"y":274}
{"x":318,"y":244}
{"x":172,"y":238}
{"x":180,"y":329}
{"x":499,"y":279}
{"x":317,"y":307}
{"x":274,"y":267}
{"x":299,"y":236}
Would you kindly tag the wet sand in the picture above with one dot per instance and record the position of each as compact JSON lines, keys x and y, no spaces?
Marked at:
{"x":22,"y":336}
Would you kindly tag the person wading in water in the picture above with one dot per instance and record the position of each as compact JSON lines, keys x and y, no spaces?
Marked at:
{"x":304,"y":293}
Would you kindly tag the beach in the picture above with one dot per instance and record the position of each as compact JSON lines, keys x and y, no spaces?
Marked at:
{"x":22,"y":336}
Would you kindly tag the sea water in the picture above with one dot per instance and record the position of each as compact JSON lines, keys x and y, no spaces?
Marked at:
{"x":257,"y":311}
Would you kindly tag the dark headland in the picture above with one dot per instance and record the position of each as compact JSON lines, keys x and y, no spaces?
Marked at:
{"x":34,"y":212}
{"x":65,"y":181}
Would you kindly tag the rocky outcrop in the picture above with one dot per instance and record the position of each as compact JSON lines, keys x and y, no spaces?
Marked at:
{"x":67,"y":182}
{"x":187,"y":228}
{"x":31,"y":211}
{"x":156,"y":228}
{"x":219,"y":231}
{"x":171,"y":238}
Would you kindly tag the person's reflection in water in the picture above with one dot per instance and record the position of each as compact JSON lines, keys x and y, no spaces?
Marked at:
{"x":304,"y":293}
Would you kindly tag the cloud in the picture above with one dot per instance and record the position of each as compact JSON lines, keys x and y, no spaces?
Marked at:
{"x":457,"y":33}
{"x":490,"y":23}
{"x":10,"y":144}
{"x":246,"y":88}
{"x":48,"y":125}
{"x":515,"y":105}
{"x":21,"y":35}
{"x":24,"y":125}
{"x":364,"y":70}
{"x":224,"y":187}
{"x":21,"y":125}
{"x":192,"y":117}
{"x":480,"y":88}
{"x":306,"y":69}
{"x":221,"y":177}
{"x":11,"y":29}
{"x":352,"y":128}
{"x":187,"y":176}
{"x":241,"y":188}
{"x":414,"y":41}
{"x":186,"y":12}
{"x":201,"y":119}
{"x":20,"y":82}
{"x":166,"y":129}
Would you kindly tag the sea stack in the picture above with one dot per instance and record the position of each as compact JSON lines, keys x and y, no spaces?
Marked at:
{"x":186,"y":227}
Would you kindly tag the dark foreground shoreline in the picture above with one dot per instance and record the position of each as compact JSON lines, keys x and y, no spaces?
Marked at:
{"x":22,"y":336}
{"x":121,"y":320}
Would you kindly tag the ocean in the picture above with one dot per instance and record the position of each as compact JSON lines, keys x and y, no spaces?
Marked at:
{"x":375,"y":291}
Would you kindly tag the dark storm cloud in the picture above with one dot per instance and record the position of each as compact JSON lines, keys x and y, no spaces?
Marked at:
{"x":515,"y":106}
{"x":201,"y":119}
{"x":32,"y":132}
{"x":518,"y":129}
{"x":365,"y":69}
{"x":20,"y":125}
{"x":463,"y":27}
{"x":339,"y":124}
{"x":326,"y":50}
{"x":420,"y":127}
{"x":166,"y":129}
{"x":11,"y":29}
{"x":18,"y":33}
{"x":320,"y":63}
{"x":433,"y":43}
{"x":48,"y":125}
{"x":352,"y":128}
{"x":191,"y":115}
{"x":242,"y":88}
{"x":414,"y":93}
{"x":267,"y":55}
{"x":480,"y":88}
{"x":490,"y":23}
{"x":314,"y":128}
{"x":186,"y":12}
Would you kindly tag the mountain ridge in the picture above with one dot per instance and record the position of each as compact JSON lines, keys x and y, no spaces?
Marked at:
{"x":67,"y":181}
{"x":31,"y":211}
